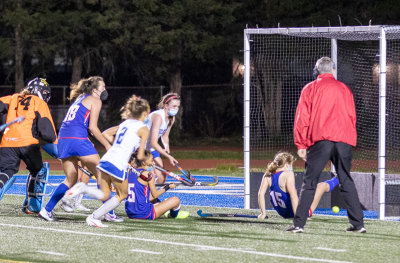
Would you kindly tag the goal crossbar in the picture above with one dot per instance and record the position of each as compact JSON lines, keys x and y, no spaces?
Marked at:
{"x":379,"y":33}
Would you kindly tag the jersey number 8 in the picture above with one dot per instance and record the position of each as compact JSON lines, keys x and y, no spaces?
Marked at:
{"x":71,"y":113}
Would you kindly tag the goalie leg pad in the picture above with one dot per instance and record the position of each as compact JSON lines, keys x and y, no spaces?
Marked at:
{"x":6,"y":186}
{"x":36,"y":189}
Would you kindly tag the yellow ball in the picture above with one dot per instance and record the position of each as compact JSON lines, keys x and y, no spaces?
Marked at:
{"x":335,"y":209}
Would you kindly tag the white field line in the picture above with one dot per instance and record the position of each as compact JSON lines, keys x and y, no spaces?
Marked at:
{"x":236,"y":250}
{"x":146,"y":251}
{"x":51,"y":253}
{"x":331,"y":249}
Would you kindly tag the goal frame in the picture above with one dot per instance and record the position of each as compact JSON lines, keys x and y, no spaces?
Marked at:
{"x":378,"y":33}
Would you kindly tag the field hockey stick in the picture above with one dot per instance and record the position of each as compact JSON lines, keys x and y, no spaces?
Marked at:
{"x":201,"y":214}
{"x":18,"y":119}
{"x":175,"y":176}
{"x":188,"y":175}
{"x":210,"y":183}
{"x":87,"y":172}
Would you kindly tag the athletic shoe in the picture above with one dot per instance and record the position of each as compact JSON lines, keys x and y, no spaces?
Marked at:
{"x":48,"y":216}
{"x":166,"y":214}
{"x":295,"y":229}
{"x":77,"y":189}
{"x":94,"y":222}
{"x":81,"y":208}
{"x":113,"y":218}
{"x":182,"y":215}
{"x":356,"y":230}
{"x":66,"y":205}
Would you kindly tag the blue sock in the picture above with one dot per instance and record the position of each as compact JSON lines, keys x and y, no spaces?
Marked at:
{"x":174,"y":213}
{"x":56,"y":197}
{"x":112,"y":211}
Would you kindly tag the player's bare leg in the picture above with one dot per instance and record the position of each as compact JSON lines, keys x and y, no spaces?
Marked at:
{"x":164,"y":206}
{"x":70,"y":167}
{"x":322,"y":188}
{"x":161,"y":177}
{"x":91,"y":161}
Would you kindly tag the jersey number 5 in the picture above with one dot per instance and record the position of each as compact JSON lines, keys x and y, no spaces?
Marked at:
{"x":131,"y":193}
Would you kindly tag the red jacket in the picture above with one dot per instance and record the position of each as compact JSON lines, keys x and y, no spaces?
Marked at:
{"x":325,"y":111}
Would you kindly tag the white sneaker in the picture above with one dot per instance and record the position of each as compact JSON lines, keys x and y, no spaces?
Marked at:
{"x":113,"y":218}
{"x":46,"y":215}
{"x":75,"y":190}
{"x":81,"y":208}
{"x":66,"y":205}
{"x":94,"y":222}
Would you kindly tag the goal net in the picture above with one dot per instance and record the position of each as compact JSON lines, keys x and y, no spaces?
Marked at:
{"x":279,"y":62}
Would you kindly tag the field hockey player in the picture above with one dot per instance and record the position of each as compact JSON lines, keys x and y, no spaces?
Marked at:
{"x":160,"y":123}
{"x":279,"y":178}
{"x":142,"y":192}
{"x":73,"y":143}
{"x":131,"y":135}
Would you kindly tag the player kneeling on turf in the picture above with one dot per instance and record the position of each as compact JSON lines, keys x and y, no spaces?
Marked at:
{"x":140,"y":184}
{"x":279,"y":178}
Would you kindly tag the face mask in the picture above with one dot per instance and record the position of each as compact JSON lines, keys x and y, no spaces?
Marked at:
{"x":147,"y":120}
{"x":151,"y":168}
{"x":172,"y":112}
{"x":104,"y":95}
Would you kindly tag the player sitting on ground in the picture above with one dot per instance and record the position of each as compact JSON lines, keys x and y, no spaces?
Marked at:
{"x":139,"y":202}
{"x":279,"y":178}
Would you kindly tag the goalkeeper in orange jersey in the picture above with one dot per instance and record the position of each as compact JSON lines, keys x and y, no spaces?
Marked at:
{"x":20,"y":141}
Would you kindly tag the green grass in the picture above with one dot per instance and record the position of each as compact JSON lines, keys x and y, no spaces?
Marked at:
{"x":220,"y":170}
{"x":192,"y":240}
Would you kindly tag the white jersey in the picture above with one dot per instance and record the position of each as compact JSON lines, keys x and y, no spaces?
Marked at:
{"x":163,"y":127}
{"x":126,"y":141}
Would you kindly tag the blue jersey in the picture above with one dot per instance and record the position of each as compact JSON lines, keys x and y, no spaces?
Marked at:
{"x":137,"y":204}
{"x":76,"y":123}
{"x":280,"y":199}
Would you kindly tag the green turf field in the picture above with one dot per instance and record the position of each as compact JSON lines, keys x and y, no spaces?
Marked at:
{"x":25,"y":238}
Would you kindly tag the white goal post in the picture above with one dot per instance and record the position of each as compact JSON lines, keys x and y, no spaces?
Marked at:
{"x":278,"y":62}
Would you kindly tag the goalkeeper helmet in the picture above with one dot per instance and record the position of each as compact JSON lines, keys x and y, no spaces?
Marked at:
{"x":40,"y":88}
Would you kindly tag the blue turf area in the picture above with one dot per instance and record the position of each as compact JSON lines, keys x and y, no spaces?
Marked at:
{"x":229,"y":192}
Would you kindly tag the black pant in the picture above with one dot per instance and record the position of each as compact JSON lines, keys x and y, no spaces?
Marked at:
{"x":10,"y":158}
{"x":317,"y":157}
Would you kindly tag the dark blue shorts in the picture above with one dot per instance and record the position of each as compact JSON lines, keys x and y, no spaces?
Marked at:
{"x":68,"y":147}
{"x":332,"y":183}
{"x":155,"y":154}
{"x":150,"y":214}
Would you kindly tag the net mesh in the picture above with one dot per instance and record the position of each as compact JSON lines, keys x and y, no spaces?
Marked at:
{"x":281,"y":63}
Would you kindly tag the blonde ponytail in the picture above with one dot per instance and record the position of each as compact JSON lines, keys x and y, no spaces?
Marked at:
{"x":280,"y":160}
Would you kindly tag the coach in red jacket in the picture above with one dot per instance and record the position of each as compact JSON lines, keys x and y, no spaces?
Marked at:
{"x":325,"y":129}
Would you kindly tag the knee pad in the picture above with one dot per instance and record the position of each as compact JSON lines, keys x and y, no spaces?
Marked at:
{"x":36,"y":190}
{"x":7,"y":186}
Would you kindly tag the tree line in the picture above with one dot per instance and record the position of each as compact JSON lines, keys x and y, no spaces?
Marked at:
{"x":153,"y":42}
